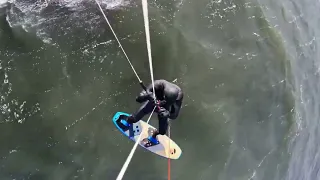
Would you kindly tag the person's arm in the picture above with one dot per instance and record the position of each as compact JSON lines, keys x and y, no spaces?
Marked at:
{"x":175,"y":108}
{"x":145,"y":95}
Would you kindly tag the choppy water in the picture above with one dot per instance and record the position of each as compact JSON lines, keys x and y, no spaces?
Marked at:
{"x":249,"y":69}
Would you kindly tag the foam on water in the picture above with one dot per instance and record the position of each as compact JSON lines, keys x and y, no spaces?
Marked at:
{"x":29,"y":16}
{"x":11,"y":110}
{"x":74,"y":4}
{"x":3,"y":3}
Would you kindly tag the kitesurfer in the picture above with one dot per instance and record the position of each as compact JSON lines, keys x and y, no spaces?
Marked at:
{"x":168,"y":100}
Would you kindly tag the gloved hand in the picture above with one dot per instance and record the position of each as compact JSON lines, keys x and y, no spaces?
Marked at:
{"x":161,"y":103}
{"x":163,"y":113}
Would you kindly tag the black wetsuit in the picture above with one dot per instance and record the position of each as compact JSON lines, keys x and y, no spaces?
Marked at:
{"x":171,"y":97}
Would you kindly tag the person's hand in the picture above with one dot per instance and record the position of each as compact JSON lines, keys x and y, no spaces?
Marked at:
{"x":161,"y":103}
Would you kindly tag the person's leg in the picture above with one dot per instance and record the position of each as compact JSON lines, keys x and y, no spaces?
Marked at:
{"x":146,"y":108}
{"x":152,"y":140}
{"x":163,"y":126}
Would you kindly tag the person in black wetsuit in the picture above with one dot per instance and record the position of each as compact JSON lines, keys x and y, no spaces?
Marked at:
{"x":169,"y":100}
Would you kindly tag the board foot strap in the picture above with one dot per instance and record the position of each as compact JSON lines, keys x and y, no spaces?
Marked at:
{"x":131,"y":133}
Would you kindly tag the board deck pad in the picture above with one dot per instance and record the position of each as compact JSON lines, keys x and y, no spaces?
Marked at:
{"x":166,"y":148}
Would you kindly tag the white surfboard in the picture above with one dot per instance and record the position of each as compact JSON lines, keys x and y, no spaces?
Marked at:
{"x":166,"y":148}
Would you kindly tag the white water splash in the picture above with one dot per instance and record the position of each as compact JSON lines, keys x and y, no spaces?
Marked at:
{"x":108,"y":4}
{"x":111,"y":4}
{"x":3,"y":3}
{"x":33,"y":20}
